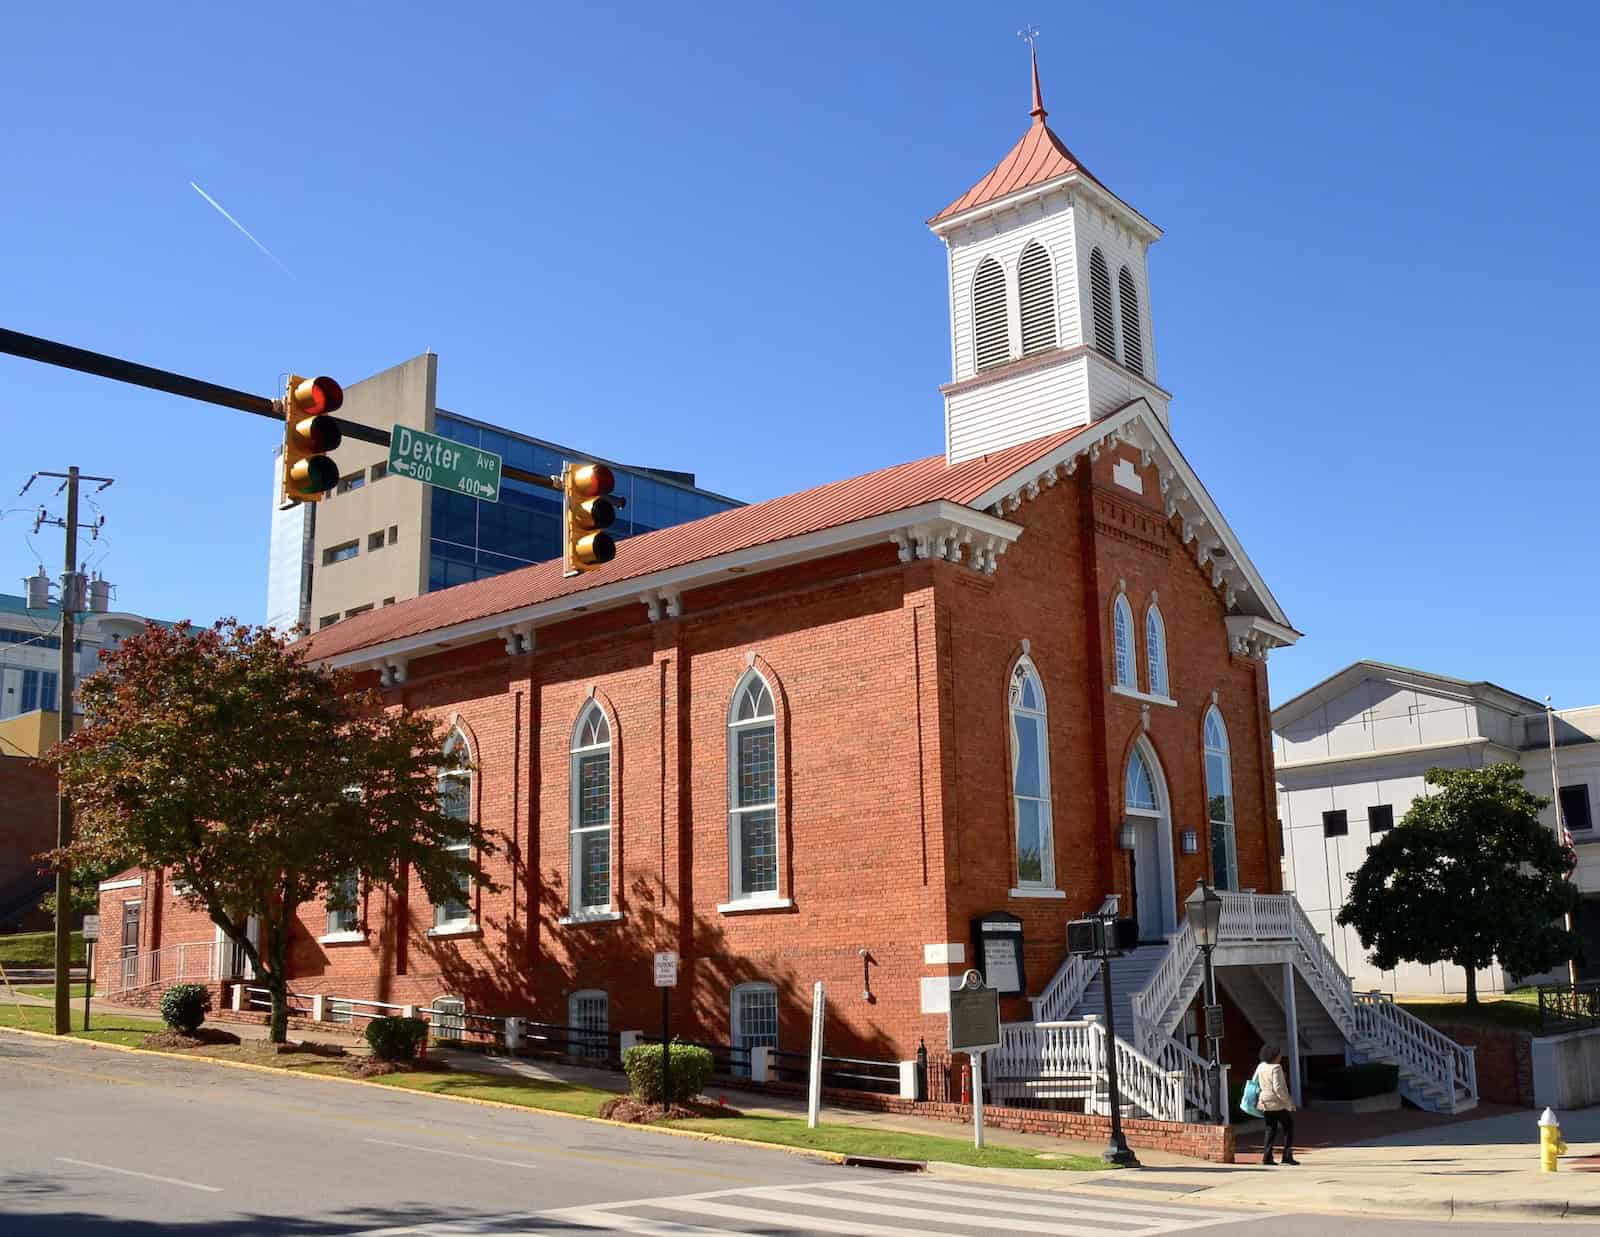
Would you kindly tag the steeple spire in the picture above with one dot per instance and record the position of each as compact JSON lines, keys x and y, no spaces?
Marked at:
{"x":1038,"y":113}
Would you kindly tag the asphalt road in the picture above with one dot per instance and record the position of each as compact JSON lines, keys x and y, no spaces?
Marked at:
{"x":96,"y":1142}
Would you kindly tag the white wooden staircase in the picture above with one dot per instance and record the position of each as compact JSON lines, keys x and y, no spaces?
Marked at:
{"x":1061,"y":1053}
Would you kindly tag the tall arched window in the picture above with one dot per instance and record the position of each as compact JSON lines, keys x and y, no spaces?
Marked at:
{"x":589,"y":812}
{"x":1132,"y":339}
{"x":752,"y":791}
{"x":1105,"y":322}
{"x":455,"y":801}
{"x":1155,"y":650}
{"x":1030,"y":779}
{"x":1122,"y":633}
{"x":1037,"y":296}
{"x":989,"y":331}
{"x":1219,"y":802}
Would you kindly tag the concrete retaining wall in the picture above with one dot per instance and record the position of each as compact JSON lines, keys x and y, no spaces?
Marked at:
{"x":1566,"y":1070}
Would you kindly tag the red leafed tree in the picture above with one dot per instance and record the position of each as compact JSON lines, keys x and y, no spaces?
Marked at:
{"x":259,"y":780}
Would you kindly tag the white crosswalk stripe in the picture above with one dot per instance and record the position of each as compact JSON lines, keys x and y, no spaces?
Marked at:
{"x":898,"y":1207}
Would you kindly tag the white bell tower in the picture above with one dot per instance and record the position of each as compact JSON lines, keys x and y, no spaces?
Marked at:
{"x":1049,"y":299}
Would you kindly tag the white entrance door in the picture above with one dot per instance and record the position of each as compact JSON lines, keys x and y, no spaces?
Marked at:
{"x":1147,"y":879}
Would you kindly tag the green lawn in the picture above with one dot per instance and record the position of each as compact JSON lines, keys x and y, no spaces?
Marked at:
{"x":528,"y":1092}
{"x":1515,"y":1011}
{"x":49,"y":990}
{"x":36,"y":949}
{"x":890,"y":1144}
{"x":107,"y":1029}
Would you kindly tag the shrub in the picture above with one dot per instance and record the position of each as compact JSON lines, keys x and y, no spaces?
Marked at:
{"x":1356,"y":1082}
{"x":692,"y":1067}
{"x":184,"y":1007}
{"x":396,"y":1039}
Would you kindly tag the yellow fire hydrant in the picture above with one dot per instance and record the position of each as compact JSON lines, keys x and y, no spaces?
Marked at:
{"x":1551,"y":1144}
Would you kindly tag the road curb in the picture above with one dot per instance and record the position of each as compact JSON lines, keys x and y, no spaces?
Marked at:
{"x":830,"y":1157}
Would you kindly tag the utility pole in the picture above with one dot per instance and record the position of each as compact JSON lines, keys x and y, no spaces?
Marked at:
{"x":73,"y":597}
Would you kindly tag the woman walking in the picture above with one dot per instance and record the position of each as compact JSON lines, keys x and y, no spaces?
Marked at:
{"x":1276,"y":1104}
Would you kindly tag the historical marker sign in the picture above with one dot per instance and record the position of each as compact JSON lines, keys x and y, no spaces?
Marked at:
{"x":974,"y":1019}
{"x":440,"y":462}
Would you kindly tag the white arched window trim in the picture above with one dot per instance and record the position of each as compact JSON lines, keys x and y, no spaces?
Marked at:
{"x":1124,"y":674}
{"x":591,"y":817}
{"x":454,"y":916}
{"x":752,"y":1020}
{"x":1102,"y":315}
{"x":1155,"y":651}
{"x":1037,"y":313}
{"x":1031,"y":819}
{"x":1219,"y":802}
{"x":991,"y":315}
{"x":755,"y":817}
{"x":1132,"y":331}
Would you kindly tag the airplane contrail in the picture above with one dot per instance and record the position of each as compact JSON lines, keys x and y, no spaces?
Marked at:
{"x":219,"y":209}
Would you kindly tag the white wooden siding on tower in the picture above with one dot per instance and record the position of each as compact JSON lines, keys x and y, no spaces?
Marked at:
{"x":1003,"y":239}
{"x":1092,"y":228}
{"x":1111,"y":386}
{"x":1000,"y":414}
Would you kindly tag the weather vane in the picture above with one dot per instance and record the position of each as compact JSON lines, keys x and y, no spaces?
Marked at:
{"x":1029,"y":34}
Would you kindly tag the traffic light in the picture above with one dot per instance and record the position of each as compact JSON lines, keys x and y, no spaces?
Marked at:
{"x":586,"y":490}
{"x":309,"y":432}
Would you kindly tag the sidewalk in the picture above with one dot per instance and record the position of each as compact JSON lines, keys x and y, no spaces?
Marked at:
{"x":1483,"y":1165}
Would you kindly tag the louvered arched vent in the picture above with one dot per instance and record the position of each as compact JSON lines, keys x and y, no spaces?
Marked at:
{"x":1036,"y":291}
{"x":989,"y":314}
{"x":1132,"y":339}
{"x":1105,"y":324}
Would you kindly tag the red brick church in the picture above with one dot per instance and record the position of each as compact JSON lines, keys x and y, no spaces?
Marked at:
{"x":823,"y":736}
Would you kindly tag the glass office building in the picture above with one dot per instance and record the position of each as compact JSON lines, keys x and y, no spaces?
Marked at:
{"x":472,"y":539}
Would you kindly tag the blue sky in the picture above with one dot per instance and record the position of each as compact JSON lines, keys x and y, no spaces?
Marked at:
{"x":693,"y":236}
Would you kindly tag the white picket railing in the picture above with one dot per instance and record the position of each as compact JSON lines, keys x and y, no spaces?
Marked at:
{"x":1032,"y":1054}
{"x":1067,"y":986}
{"x":1162,"y":990}
{"x":1199,"y":1091}
{"x":192,"y":962}
{"x":1417,"y":1045}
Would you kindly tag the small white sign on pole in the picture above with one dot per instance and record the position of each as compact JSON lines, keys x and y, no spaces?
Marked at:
{"x":814,"y":1102}
{"x":667,"y":970}
{"x":91,"y":927}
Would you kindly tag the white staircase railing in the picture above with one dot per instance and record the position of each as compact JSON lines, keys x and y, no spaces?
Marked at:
{"x":1163,"y":991}
{"x":1031,"y":1054}
{"x":1415,"y":1044}
{"x":1067,"y":986}
{"x":1199,"y":1091}
{"x":192,"y":962}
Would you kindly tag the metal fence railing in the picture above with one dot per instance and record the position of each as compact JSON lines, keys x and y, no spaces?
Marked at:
{"x":1569,"y":1007}
{"x":731,"y":1060}
{"x":841,"y":1073}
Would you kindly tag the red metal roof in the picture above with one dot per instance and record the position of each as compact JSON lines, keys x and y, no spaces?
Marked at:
{"x":826,"y":506}
{"x":1038,"y":157}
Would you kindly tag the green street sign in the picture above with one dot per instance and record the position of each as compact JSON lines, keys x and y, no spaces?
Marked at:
{"x":449,"y":465}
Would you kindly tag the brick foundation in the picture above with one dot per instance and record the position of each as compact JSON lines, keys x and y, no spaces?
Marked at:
{"x":1505,"y":1061}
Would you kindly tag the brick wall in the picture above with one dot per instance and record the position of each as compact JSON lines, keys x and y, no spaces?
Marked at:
{"x":890,"y":686}
{"x":1504,"y":1059}
{"x":28,"y":791}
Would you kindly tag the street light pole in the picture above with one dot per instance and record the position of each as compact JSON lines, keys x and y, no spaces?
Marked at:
{"x":1117,"y":1150}
{"x":1213,"y":1044}
{"x":1205,"y":921}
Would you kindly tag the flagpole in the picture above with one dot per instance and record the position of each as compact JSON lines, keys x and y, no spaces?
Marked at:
{"x":1561,"y":825}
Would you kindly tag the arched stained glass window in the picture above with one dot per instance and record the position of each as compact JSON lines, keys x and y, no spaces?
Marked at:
{"x":1219,"y":802}
{"x":589,"y":818}
{"x":1122,"y":622}
{"x":1155,"y":650}
{"x":1139,"y":790}
{"x":455,"y":801}
{"x":752,"y":791}
{"x":1030,"y":779}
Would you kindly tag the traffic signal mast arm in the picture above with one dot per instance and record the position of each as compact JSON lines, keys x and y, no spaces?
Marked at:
{"x":50,"y":352}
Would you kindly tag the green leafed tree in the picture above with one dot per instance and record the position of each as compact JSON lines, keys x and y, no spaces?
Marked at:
{"x":1470,"y":875}
{"x":260,"y":781}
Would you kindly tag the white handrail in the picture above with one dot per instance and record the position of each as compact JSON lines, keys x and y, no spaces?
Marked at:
{"x":1144,"y":1083}
{"x":1423,"y":1048}
{"x":1067,"y":986}
{"x":1163,"y":986}
{"x":190,"y":962}
{"x":1198,"y":1089}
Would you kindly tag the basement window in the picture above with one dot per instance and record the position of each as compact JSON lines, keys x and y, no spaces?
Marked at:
{"x":1335,"y":824}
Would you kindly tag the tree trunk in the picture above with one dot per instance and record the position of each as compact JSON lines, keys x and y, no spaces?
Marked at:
{"x":278,"y":980}
{"x":1472,"y":985}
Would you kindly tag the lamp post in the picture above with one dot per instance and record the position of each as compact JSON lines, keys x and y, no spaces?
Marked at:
{"x":1205,"y":919}
{"x":1117,"y":1150}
